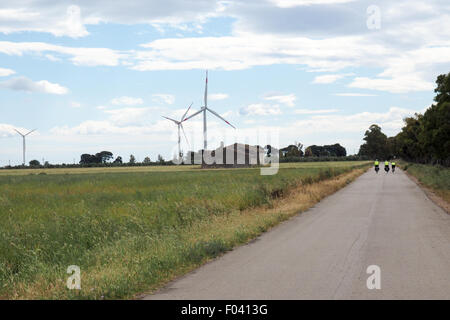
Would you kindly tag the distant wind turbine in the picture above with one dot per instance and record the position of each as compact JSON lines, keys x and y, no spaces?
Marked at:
{"x":180,"y":125}
{"x":203,"y":109}
{"x":24,"y":146}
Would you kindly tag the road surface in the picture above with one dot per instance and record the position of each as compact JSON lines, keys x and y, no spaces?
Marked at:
{"x":384,"y":220}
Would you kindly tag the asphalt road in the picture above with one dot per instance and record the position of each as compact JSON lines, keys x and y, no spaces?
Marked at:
{"x":323,"y":253}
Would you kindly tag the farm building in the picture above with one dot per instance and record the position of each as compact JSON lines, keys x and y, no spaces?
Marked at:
{"x":232,"y":156}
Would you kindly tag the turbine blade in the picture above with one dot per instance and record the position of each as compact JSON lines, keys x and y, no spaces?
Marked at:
{"x":176,"y":122}
{"x":184,"y":115}
{"x":193,"y":115}
{"x":182,"y":129}
{"x":19,"y":132}
{"x":30,"y":132}
{"x":217,"y":115}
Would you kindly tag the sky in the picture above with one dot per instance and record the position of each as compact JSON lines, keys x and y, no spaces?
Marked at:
{"x":98,"y":75}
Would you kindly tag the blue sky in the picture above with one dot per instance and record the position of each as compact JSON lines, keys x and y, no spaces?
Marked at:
{"x":93,"y":75}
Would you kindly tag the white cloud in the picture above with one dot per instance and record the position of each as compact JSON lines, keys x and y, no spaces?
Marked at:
{"x":52,"y":58}
{"x":129,"y":116}
{"x":78,"y":56}
{"x":402,"y":84}
{"x":407,"y":48}
{"x":217,"y":96}
{"x":295,"y":3}
{"x":7,"y":130}
{"x":68,"y":23}
{"x":62,"y":18}
{"x":352,"y":94}
{"x":6,"y":72}
{"x":163,"y":98}
{"x":288,"y":100}
{"x":27,"y":85}
{"x":329,"y":78}
{"x":391,"y":121}
{"x":311,"y":111}
{"x":247,"y":50}
{"x":127,"y":101}
{"x":260,"y":109}
{"x":227,"y":114}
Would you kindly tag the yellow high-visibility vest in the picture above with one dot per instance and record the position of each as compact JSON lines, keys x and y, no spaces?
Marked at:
{"x":393,"y":163}
{"x":386,"y":163}
{"x":377,"y":163}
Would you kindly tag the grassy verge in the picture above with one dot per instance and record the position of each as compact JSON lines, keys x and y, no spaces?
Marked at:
{"x":133,"y":232}
{"x":436,"y":178}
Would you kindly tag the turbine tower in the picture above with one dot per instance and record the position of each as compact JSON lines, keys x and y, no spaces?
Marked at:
{"x":24,"y":146}
{"x":180,"y":125}
{"x":204,"y":109}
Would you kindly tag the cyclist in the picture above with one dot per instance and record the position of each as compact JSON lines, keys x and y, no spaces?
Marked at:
{"x":393,"y":166}
{"x":386,"y":166}
{"x":377,"y":165}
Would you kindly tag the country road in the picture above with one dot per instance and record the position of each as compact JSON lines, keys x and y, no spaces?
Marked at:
{"x":323,"y":253}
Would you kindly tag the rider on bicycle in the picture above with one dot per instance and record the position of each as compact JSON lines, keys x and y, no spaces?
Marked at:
{"x":377,"y":165}
{"x":386,"y":166}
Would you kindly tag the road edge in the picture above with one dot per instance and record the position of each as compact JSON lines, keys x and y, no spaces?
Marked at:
{"x":430,"y":193}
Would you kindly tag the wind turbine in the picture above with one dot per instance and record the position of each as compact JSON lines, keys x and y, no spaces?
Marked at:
{"x":204,"y":109}
{"x":24,"y":147}
{"x":180,"y":125}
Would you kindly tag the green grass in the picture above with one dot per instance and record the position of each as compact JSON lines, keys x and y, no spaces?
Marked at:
{"x":129,"y":231}
{"x":434,"y":177}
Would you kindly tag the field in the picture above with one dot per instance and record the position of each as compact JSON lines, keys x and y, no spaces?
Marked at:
{"x":132,"y":230}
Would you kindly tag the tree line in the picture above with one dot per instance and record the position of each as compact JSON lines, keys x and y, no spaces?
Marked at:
{"x":295,"y":150}
{"x":425,"y":138}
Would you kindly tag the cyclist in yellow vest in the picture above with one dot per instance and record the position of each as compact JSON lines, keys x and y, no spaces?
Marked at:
{"x":377,"y":165}
{"x":393,"y":166}
{"x":386,"y":166}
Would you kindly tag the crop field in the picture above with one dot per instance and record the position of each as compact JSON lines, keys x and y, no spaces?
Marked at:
{"x":130,"y":230}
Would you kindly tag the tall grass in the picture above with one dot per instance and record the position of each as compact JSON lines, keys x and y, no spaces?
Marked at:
{"x":126,"y":231}
{"x":433,"y":176}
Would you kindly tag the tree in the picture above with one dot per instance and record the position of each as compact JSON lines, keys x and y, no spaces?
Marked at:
{"x":147,"y":160}
{"x":118,"y":160}
{"x":34,"y":163}
{"x":426,"y":138}
{"x":132,"y":159}
{"x":88,"y":158}
{"x":104,"y":156}
{"x":375,"y":145}
{"x":299,"y":146}
{"x":268,"y":149}
{"x":308,"y":152}
{"x":293,"y":150}
{"x":333,"y":150}
{"x":442,"y":89}
{"x":160,"y":158}
{"x":434,"y":139}
{"x":407,"y":141}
